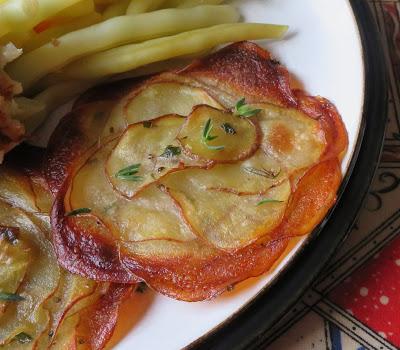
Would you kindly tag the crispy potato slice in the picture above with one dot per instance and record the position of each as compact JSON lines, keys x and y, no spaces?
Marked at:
{"x":71,"y":289}
{"x":224,"y":219}
{"x":55,"y":301}
{"x":145,"y":153}
{"x":142,"y":107}
{"x":75,"y":133}
{"x":17,"y":190}
{"x":204,"y":136}
{"x":91,"y":189}
{"x":242,"y":69}
{"x":290,"y":136}
{"x":14,"y":260}
{"x":98,"y":320}
{"x":39,"y":283}
{"x":331,"y":123}
{"x":163,"y":264}
{"x":139,"y":104}
{"x":255,"y":175}
{"x":314,"y":196}
{"x":65,"y":338}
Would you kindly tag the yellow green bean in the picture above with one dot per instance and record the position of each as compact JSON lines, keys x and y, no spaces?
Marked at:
{"x":48,"y":58}
{"x":129,"y":57}
{"x":20,"y":15}
{"x":38,"y":39}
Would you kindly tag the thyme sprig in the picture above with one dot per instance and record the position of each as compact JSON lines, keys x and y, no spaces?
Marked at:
{"x":206,"y":136}
{"x":244,"y":110}
{"x":129,"y":173}
{"x":79,"y":211}
{"x":267,"y":200}
{"x":10,"y":297}
{"x":263,"y":172}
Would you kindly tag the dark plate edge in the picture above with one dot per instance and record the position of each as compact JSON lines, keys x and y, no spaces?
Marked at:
{"x":247,"y":329}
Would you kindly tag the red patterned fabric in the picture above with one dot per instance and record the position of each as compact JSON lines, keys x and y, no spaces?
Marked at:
{"x":372,"y":293}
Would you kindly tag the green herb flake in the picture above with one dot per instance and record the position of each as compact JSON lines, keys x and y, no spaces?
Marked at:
{"x":206,"y":137}
{"x":244,"y":110}
{"x":228,"y":128}
{"x":265,"y":201}
{"x":171,"y":151}
{"x":10,"y":297}
{"x":262,"y":172}
{"x":129,"y":173}
{"x":23,"y":338}
{"x":147,"y":124}
{"x":79,"y":211}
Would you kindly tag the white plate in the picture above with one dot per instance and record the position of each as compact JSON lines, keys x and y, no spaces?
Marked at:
{"x":323,"y":52}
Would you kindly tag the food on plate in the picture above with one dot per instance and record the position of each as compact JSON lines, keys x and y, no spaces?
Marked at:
{"x":65,"y":47}
{"x":11,"y":130}
{"x":42,"y":306}
{"x":194,"y":179}
{"x":132,"y":56}
{"x":112,"y":33}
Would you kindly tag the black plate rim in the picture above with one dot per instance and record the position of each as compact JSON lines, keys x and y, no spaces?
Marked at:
{"x":247,"y":328}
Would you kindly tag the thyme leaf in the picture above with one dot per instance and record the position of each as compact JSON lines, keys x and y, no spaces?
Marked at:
{"x":10,"y":297}
{"x":79,"y":211}
{"x":265,"y":201}
{"x":244,"y":110}
{"x":171,"y":151}
{"x":262,"y":172}
{"x":206,"y":137}
{"x":129,"y":173}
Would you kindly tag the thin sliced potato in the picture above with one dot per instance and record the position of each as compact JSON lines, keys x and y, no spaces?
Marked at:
{"x":290,"y":136}
{"x":92,"y":189}
{"x":255,"y":175}
{"x":39,"y":283}
{"x":53,"y":300}
{"x":145,"y":153}
{"x":14,"y":260}
{"x":139,"y":105}
{"x":224,"y":219}
{"x":206,"y":134}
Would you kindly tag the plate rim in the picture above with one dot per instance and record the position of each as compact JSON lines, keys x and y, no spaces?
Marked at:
{"x":247,"y":328}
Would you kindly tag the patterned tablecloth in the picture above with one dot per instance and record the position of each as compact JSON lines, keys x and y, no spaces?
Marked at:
{"x":355,"y":302}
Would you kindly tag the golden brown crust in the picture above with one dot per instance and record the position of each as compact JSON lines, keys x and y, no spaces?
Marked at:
{"x":98,"y":321}
{"x":248,"y":69}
